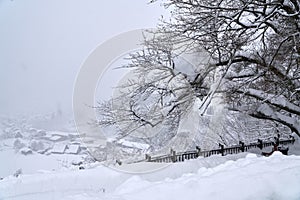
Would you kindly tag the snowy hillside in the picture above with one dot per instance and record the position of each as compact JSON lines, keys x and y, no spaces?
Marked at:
{"x":251,"y":177}
{"x":46,"y":164}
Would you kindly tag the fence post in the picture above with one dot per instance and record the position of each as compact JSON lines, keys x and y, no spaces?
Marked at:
{"x":276,"y":140}
{"x":173,"y":155}
{"x":222,"y":149}
{"x":198,"y":150}
{"x":260,"y":143}
{"x":148,"y":158}
{"x":293,"y":139}
{"x":242,"y":146}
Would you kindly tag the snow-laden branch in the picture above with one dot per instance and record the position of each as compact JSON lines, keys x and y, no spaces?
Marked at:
{"x":264,"y":111}
{"x":278,"y":101}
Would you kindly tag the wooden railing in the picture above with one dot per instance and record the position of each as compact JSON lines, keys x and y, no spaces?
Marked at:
{"x":241,"y":147}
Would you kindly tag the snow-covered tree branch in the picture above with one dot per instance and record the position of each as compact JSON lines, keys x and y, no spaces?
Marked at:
{"x":252,"y":52}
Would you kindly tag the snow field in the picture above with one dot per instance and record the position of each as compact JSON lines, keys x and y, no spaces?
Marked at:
{"x":250,"y":177}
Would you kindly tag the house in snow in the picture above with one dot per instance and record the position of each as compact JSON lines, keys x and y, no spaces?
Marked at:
{"x":73,"y":149}
{"x":59,"y":149}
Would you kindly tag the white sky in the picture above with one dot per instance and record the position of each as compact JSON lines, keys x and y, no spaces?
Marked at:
{"x":44,"y":42}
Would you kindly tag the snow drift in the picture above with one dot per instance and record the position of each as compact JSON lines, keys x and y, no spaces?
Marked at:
{"x":251,"y":177}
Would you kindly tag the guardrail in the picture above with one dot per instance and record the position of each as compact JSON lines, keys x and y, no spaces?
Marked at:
{"x":241,"y":147}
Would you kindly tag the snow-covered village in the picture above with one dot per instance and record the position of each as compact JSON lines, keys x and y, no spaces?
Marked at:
{"x":160,"y":99}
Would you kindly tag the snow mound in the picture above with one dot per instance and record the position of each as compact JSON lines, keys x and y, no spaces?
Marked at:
{"x":25,"y":151}
{"x":251,"y":177}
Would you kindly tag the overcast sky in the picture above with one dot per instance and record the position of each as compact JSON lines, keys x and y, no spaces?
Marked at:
{"x":44,"y":42}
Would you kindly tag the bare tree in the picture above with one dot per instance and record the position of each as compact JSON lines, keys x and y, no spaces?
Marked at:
{"x":152,"y":103}
{"x":255,"y":48}
{"x":254,"y":52}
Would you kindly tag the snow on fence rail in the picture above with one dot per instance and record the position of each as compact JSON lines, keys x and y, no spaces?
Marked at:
{"x":193,"y":154}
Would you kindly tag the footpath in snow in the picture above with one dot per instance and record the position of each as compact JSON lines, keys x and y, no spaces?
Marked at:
{"x":276,"y":177}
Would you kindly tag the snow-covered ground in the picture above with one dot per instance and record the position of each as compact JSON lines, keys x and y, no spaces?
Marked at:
{"x":39,"y":163}
{"x":27,"y":147}
{"x":251,"y":177}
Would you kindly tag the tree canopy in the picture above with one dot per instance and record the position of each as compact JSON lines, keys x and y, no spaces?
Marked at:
{"x":251,"y":50}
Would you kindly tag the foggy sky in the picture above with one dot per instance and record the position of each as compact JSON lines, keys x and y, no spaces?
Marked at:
{"x":44,"y":42}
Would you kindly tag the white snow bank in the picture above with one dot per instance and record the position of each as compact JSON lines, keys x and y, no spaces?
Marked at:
{"x":10,"y":162}
{"x":252,"y":177}
{"x":133,"y":144}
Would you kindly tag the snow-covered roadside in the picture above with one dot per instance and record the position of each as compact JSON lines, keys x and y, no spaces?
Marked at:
{"x":252,"y":177}
{"x":34,"y":163}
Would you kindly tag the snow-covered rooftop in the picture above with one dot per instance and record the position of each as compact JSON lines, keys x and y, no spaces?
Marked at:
{"x":73,"y":149}
{"x":59,"y":148}
{"x":133,"y":144}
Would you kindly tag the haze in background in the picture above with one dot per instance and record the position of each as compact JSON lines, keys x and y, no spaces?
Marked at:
{"x":44,"y":43}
